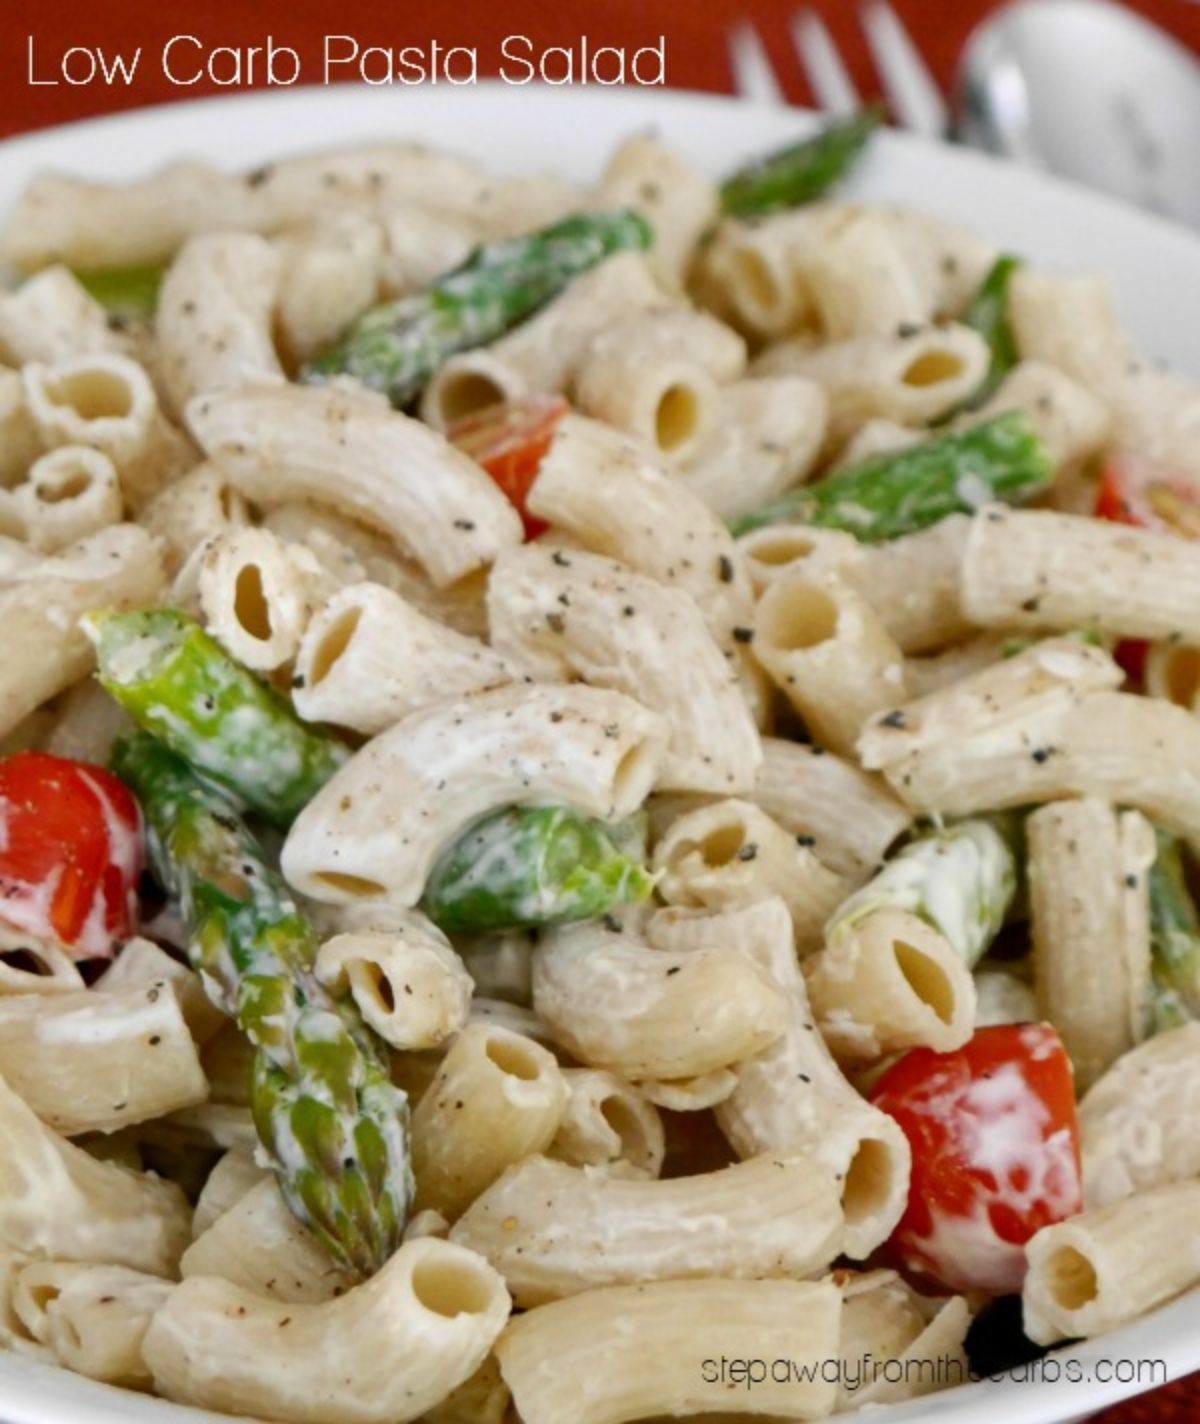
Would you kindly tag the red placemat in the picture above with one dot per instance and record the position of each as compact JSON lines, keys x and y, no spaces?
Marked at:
{"x":696,"y":58}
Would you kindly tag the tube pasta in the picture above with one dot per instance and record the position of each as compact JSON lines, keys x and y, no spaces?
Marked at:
{"x":350,"y":450}
{"x":909,"y":379}
{"x":608,"y":1123}
{"x":88,"y":1062}
{"x":235,"y":1174}
{"x":573,"y":614}
{"x":615,"y":1003}
{"x":51,"y":317}
{"x":1137,"y":1121}
{"x":611,"y":495}
{"x":777,"y":550}
{"x":228,"y":1062}
{"x":915,"y":585}
{"x":87,"y":223}
{"x":884,"y":1321}
{"x":1073,"y":423}
{"x":69,"y":494}
{"x":215,"y":314}
{"x":379,"y":825}
{"x":45,"y":650}
{"x":1040,"y":569}
{"x":259,"y":1246}
{"x":635,"y":1352}
{"x":413,"y":1332}
{"x":859,"y":277}
{"x":752,"y":272}
{"x":57,"y":1201}
{"x":199,"y":506}
{"x":1111,"y":1264}
{"x":257,"y":595}
{"x":143,"y":964}
{"x":553,"y":1230}
{"x":676,"y":198}
{"x":20,"y":442}
{"x":497,"y":1097}
{"x":1091,"y":927}
{"x":827,"y":649}
{"x":732,"y":853}
{"x":106,"y":401}
{"x":655,"y":375}
{"x":937,"y":671}
{"x":768,"y":433}
{"x":54,"y":972}
{"x":849,"y":816}
{"x":368,"y":658}
{"x":420,"y":244}
{"x":352,"y":553}
{"x":1128,"y":750}
{"x":792,"y":1097}
{"x":329,"y":274}
{"x":1071,"y":323}
{"x":93,"y":1318}
{"x":409,"y":984}
{"x":887,"y":983}
{"x":543,"y":353}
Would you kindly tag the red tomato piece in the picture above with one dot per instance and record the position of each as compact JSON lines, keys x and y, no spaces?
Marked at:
{"x":70,"y":854}
{"x":1149,"y":495}
{"x":509,"y":441}
{"x":995,"y":1147}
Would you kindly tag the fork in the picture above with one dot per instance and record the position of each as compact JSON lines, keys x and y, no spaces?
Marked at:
{"x":912,"y":93}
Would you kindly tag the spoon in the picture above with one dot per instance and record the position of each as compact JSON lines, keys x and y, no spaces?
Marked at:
{"x":1089,"y":90}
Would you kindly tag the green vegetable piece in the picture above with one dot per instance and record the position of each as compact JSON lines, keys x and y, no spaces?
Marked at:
{"x":533,"y":865}
{"x":333,"y":1124}
{"x":988,"y":314}
{"x":801,"y":172}
{"x":960,"y":880}
{"x":905,"y":490}
{"x":179,"y":684}
{"x":396,"y":347}
{"x":128,"y":293}
{"x":1174,"y":940}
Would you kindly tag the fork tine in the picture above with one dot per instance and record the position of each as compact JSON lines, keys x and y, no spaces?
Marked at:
{"x":910,"y":88}
{"x":827,"y":74}
{"x":753,"y":77}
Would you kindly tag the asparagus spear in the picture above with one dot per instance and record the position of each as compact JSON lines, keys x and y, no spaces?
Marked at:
{"x":1174,"y":940}
{"x":801,"y":172}
{"x":534,"y":865}
{"x":178,"y":683}
{"x":988,"y":314}
{"x":334,"y":1126}
{"x":128,"y":293}
{"x":905,"y":490}
{"x":960,"y":880}
{"x":396,"y":347}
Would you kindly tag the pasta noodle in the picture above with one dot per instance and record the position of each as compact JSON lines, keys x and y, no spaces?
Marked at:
{"x":553,"y":1230}
{"x":615,"y":1003}
{"x":496,"y":1097}
{"x":564,"y":615}
{"x":528,"y":745}
{"x":792,"y":1097}
{"x":368,"y":658}
{"x":380,"y":1354}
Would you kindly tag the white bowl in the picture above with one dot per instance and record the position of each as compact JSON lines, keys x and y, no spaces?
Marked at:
{"x":1156,"y":273}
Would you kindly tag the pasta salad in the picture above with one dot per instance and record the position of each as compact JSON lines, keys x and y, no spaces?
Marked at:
{"x":597,"y":783}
